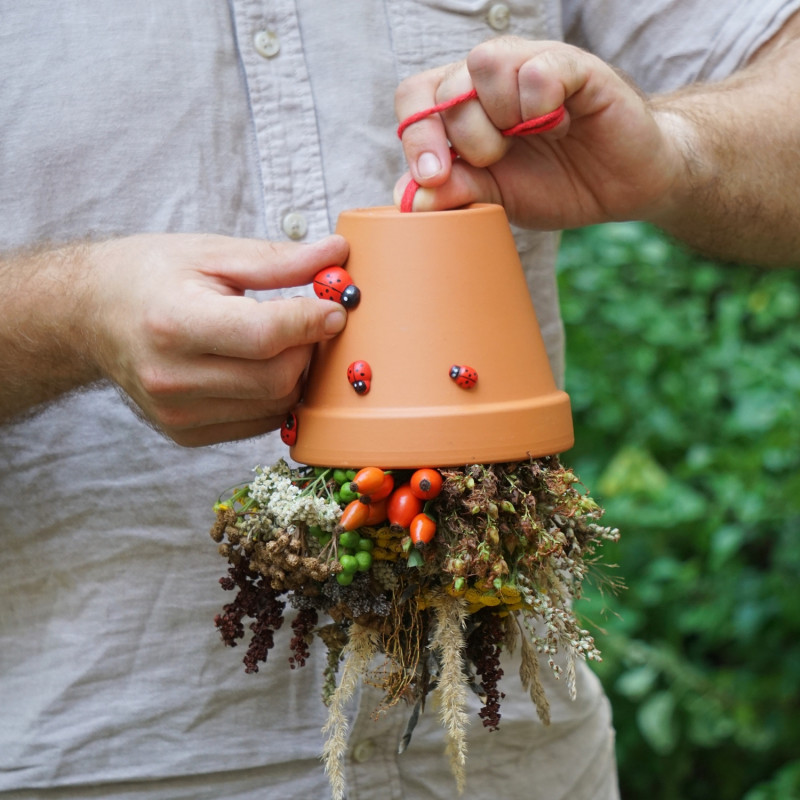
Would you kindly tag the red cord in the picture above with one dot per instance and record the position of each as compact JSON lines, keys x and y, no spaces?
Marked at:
{"x":526,"y":128}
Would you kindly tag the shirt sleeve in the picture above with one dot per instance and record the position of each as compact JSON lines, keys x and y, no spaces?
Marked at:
{"x":666,"y":44}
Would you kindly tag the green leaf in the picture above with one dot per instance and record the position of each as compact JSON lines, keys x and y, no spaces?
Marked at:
{"x":636,"y":683}
{"x":632,"y":470}
{"x":656,"y":720}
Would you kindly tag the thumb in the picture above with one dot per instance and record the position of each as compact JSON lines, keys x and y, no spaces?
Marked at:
{"x":466,"y":184}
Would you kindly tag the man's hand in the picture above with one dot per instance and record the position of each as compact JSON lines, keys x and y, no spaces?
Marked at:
{"x":713,"y":164}
{"x":608,"y":159}
{"x":164,"y":316}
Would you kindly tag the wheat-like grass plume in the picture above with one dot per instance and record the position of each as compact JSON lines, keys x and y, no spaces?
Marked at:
{"x":358,"y":652}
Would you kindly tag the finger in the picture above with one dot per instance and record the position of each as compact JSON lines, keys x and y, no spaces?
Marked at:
{"x":493,"y":68}
{"x":184,"y":414}
{"x":211,"y":411}
{"x":548,"y":80}
{"x":467,"y":184}
{"x":274,"y":378}
{"x":225,"y":432}
{"x":425,"y":142}
{"x":177,"y":384}
{"x":242,"y":327}
{"x":472,"y":133}
{"x":261,"y":264}
{"x":563,"y":74}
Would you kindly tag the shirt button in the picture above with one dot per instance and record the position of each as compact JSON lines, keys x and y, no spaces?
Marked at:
{"x":363,"y":751}
{"x":499,"y":16}
{"x":295,"y":225}
{"x":267,"y":44}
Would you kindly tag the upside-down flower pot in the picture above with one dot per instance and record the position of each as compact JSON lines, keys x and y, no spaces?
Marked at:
{"x":458,"y":369}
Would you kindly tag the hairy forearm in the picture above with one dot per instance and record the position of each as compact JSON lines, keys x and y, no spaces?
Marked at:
{"x":739,"y":196}
{"x":45,"y":329}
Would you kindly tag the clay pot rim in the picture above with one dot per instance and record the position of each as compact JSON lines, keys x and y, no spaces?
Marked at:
{"x":379,"y":211}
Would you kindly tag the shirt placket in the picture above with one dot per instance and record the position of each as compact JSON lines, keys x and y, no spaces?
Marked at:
{"x":371,"y":767}
{"x":284,"y":120}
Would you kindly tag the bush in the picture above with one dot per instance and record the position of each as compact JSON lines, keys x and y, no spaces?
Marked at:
{"x":684,"y":376}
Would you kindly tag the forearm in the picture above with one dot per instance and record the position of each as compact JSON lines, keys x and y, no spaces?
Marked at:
{"x":739,"y":195}
{"x":45,"y":329}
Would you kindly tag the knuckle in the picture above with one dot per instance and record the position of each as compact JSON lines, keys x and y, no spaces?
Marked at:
{"x":162,"y":330}
{"x":482,"y":58}
{"x":487,"y":154}
{"x":284,"y":377}
{"x":403,"y":93}
{"x":157,"y":382}
{"x":286,"y":384}
{"x":265,"y":341}
{"x":191,"y":438}
{"x":174,"y":419}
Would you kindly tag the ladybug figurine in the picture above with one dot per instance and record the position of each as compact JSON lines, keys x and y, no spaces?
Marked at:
{"x":334,"y":283}
{"x":466,"y":377}
{"x":289,"y":429}
{"x":359,"y":373}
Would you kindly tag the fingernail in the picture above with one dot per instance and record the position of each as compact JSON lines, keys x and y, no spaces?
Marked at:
{"x":335,"y":322}
{"x":428,"y":165}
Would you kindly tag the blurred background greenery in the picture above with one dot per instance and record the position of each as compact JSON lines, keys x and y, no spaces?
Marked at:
{"x":684,"y":376}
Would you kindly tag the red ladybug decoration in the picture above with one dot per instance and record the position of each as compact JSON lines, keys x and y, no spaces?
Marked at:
{"x":289,"y":429}
{"x":334,"y":283}
{"x":329,"y":283}
{"x":466,"y":377}
{"x":359,"y":373}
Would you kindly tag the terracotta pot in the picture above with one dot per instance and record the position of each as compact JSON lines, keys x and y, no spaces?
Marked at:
{"x":437,"y":289}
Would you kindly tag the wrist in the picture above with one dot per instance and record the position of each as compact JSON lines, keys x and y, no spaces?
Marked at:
{"x":46,"y":333}
{"x":692,"y":175}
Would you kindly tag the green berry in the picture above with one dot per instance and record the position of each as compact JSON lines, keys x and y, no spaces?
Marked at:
{"x":347,"y":494}
{"x":365,"y":544}
{"x":349,"y":540}
{"x":349,"y":563}
{"x":315,"y":531}
{"x":340,"y":476}
{"x":364,"y":560}
{"x":344,"y":578}
{"x":350,"y":474}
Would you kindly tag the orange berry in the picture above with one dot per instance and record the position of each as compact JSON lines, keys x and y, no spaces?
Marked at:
{"x":426,"y":483}
{"x":403,"y":506}
{"x":368,"y":480}
{"x":422,"y":530}
{"x":354,"y":516}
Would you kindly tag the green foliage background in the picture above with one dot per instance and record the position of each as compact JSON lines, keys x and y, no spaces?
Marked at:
{"x":684,"y":376}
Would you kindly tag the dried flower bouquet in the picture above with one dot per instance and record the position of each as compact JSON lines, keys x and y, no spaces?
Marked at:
{"x":435,"y":571}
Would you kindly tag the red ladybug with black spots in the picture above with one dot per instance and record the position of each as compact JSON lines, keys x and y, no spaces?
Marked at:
{"x":466,"y":377}
{"x":334,"y":283}
{"x":289,"y":429}
{"x":359,"y":373}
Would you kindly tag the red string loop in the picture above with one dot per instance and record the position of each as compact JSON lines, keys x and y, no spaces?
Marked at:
{"x":527,"y":127}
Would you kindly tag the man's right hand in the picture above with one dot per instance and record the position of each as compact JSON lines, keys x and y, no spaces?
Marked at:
{"x":165,"y":317}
